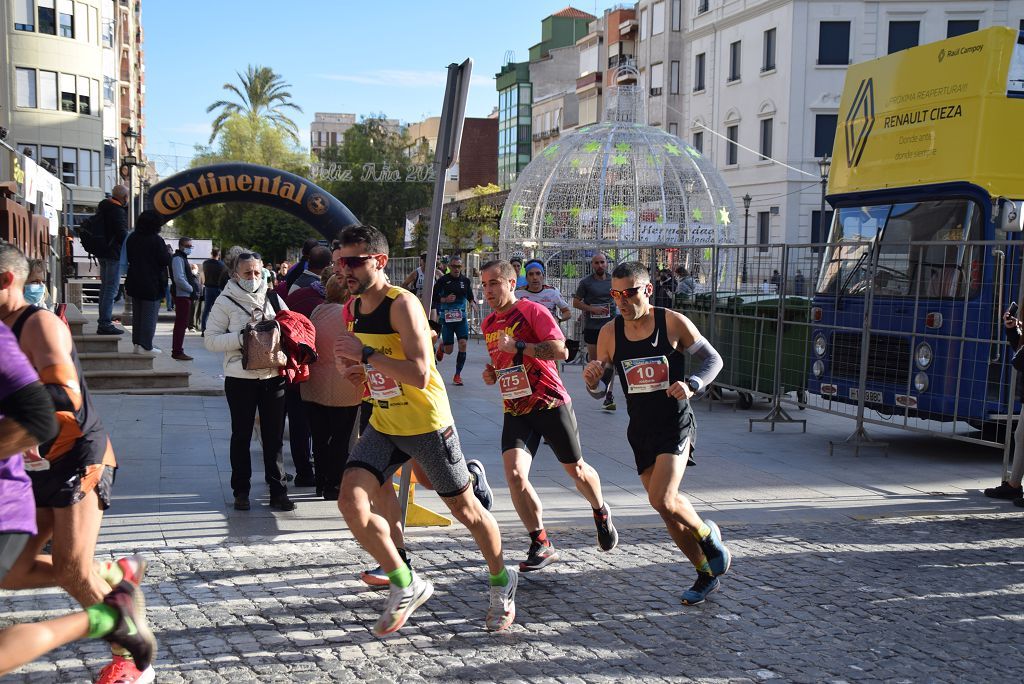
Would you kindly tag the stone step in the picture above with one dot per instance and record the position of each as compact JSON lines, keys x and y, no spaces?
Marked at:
{"x":101,"y":361}
{"x":135,"y":379}
{"x":96,"y":343}
{"x":164,"y":391}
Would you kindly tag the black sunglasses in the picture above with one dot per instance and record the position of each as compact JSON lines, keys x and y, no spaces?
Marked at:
{"x":354,"y":261}
{"x":245,"y":256}
{"x":628,"y":293}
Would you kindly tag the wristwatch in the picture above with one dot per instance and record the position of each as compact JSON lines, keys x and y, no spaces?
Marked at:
{"x":694,"y":384}
{"x":520,"y":346}
{"x":368,"y":351}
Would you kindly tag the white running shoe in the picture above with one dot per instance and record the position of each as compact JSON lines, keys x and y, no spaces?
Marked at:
{"x":142,"y":351}
{"x":502,"y":609}
{"x":400,"y":604}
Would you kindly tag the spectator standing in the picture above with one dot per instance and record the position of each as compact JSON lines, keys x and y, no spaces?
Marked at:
{"x":148,"y":260}
{"x":799,"y":284}
{"x":317,"y":260}
{"x":332,"y":402}
{"x":290,"y":274}
{"x":186,"y":288}
{"x":214,"y":276}
{"x":112,"y":214}
{"x":685,"y":284}
{"x":249,"y":391}
{"x":168,"y":278}
{"x":196,"y":304}
{"x":1011,"y":489}
{"x":35,"y":286}
{"x":776,"y":280}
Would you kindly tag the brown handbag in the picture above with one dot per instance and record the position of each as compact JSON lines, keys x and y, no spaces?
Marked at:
{"x":261,"y":342}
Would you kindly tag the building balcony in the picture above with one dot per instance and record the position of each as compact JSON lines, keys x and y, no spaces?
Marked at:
{"x":621,"y":60}
{"x":628,"y":27}
{"x":587,"y":81}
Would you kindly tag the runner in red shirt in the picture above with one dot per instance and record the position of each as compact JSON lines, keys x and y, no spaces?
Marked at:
{"x":524,"y":343}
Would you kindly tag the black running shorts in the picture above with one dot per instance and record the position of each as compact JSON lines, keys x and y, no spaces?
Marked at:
{"x":556,"y":425}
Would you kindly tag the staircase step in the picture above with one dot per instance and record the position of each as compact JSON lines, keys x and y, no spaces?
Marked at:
{"x":103,"y":361}
{"x":135,"y":379}
{"x":96,"y":343}
{"x":164,"y":391}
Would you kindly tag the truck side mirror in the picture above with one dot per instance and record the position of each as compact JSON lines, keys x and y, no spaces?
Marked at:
{"x":1011,"y":215}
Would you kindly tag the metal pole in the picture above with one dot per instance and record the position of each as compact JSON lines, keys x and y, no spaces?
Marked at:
{"x":822,"y":237}
{"x":746,"y":224}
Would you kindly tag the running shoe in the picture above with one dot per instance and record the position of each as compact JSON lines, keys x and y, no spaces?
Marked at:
{"x":457,"y":380}
{"x":377,"y":578}
{"x":539,"y":557}
{"x":1019,"y":502}
{"x":718,"y":554}
{"x":400,"y":604}
{"x":122,"y":670}
{"x":481,"y":490}
{"x":1004,"y":491}
{"x":609,"y":403}
{"x":705,"y":584}
{"x":501,"y":611}
{"x":439,"y":355}
{"x":132,"y":631}
{"x":133,"y":567}
{"x":607,"y":535}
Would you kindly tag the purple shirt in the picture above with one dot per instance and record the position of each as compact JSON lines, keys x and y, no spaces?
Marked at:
{"x":17,"y":507}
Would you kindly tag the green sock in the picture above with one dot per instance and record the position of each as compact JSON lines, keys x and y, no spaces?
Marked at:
{"x":704,"y":568}
{"x":501,"y":579}
{"x":402,"y":577}
{"x":702,"y":531}
{"x":102,"y":620}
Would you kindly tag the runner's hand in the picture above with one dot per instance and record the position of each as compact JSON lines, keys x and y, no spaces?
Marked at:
{"x":355,"y":374}
{"x":348,"y":346}
{"x":507,"y":344}
{"x":592,"y":373}
{"x":489,"y":375}
{"x":679,"y":390}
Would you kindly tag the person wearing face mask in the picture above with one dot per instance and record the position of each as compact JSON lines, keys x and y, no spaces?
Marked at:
{"x":186,"y":288}
{"x":148,"y":259}
{"x":249,"y":391}
{"x":35,"y":286}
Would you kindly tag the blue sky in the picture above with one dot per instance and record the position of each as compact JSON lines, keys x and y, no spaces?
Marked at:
{"x":340,"y":56}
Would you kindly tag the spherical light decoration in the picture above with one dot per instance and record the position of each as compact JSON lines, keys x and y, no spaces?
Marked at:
{"x":622,"y":185}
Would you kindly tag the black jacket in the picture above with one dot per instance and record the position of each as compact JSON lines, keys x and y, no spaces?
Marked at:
{"x":114,"y":219}
{"x":148,"y":260}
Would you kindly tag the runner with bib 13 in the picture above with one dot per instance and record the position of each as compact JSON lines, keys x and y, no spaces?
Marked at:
{"x":644,"y":344}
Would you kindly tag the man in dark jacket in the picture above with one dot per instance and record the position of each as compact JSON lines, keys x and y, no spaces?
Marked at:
{"x":185,"y":286}
{"x":214,"y":271}
{"x":148,"y":260}
{"x":300,"y":265}
{"x":112,"y":214}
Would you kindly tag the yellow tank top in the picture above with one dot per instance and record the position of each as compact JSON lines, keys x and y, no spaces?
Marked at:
{"x":399,"y":409}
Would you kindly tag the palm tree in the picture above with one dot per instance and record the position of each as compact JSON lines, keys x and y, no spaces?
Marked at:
{"x":263,"y":96}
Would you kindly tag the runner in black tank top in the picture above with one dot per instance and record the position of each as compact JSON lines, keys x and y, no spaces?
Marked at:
{"x":643,"y":345}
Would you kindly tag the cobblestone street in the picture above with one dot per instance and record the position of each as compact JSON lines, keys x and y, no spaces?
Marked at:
{"x":902,"y":599}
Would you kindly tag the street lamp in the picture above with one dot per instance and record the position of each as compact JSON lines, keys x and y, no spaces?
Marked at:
{"x":131,"y":138}
{"x":746,"y":224}
{"x":824,"y":165}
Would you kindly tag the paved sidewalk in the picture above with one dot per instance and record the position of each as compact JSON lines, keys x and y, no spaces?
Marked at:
{"x":858,"y":569}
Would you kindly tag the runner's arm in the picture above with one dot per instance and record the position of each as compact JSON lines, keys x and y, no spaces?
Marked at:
{"x":47,"y":344}
{"x":409,"y":280}
{"x":409,"y":321}
{"x":596,"y":367}
{"x":686,"y":337}
{"x":28,"y":420}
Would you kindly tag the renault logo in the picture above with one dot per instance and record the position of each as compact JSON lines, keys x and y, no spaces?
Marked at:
{"x":860,"y":119}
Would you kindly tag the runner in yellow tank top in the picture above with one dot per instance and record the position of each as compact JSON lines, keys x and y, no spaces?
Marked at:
{"x":389,"y":349}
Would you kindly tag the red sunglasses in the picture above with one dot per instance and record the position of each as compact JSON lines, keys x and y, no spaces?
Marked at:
{"x":628,"y":293}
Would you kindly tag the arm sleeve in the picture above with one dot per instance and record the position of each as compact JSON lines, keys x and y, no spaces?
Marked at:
{"x":182,"y":287}
{"x":710,"y":360}
{"x":31,"y":408}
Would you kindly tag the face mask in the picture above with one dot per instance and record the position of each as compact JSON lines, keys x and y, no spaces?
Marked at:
{"x":187,"y":251}
{"x":250,"y":285}
{"x":34,"y":293}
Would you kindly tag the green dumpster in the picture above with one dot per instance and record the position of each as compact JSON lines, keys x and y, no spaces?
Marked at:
{"x":756,"y":325}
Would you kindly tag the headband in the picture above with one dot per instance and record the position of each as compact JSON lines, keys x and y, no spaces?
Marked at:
{"x":536,"y":263}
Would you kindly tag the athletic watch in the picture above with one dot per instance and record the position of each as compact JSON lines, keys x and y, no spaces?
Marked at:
{"x":368,"y":351}
{"x":694,"y":384}
{"x":520,"y":346}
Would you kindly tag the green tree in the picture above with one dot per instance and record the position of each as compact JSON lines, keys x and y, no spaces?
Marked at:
{"x":263,"y":96}
{"x":475,"y":223}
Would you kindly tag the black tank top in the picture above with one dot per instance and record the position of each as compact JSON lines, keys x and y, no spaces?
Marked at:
{"x":654,"y":409}
{"x":91,"y":446}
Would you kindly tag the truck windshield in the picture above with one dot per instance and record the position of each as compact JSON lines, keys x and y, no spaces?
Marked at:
{"x":904,"y":270}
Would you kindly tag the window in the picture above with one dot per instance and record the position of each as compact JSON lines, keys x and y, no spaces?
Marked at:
{"x":67,"y":93}
{"x":657,"y":78}
{"x":50,"y":155}
{"x":658,"y":18}
{"x":588,"y":59}
{"x":732,"y":150}
{"x":903,"y":35}
{"x":23,"y":16}
{"x":698,"y":141}
{"x":25,"y":80}
{"x":824,"y":134}
{"x":69,"y":163}
{"x":66,"y":18}
{"x":764,"y":230}
{"x":734,"y":61}
{"x":47,"y":17}
{"x":108,"y":90}
{"x":85,"y":168}
{"x":673,"y":78}
{"x":768,"y":62}
{"x":698,"y":73}
{"x":643,"y":24}
{"x":834,"y":42}
{"x":84,"y":104}
{"x":94,"y":26}
{"x":677,"y":15}
{"x":958,"y":27}
{"x":28,"y":150}
{"x":819,"y":232}
{"x":673,"y":129}
{"x":107,"y":23}
{"x":766,"y":138}
{"x":94,"y":96}
{"x":702,"y":6}
{"x":82,"y":21}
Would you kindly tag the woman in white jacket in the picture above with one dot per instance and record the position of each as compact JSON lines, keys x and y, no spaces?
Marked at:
{"x":249,"y":390}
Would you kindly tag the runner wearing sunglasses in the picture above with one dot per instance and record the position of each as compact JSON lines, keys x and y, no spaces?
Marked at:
{"x":644,"y":344}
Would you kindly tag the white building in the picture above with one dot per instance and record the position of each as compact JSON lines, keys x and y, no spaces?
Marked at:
{"x":768,"y":75}
{"x":328,"y":129}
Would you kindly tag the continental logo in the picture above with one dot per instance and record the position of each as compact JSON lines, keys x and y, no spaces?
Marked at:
{"x":860,"y":120}
{"x":960,"y":52}
{"x":173,"y":199}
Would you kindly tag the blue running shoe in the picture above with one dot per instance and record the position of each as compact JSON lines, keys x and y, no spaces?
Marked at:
{"x":481,"y":489}
{"x":705,"y":584}
{"x":718,"y":554}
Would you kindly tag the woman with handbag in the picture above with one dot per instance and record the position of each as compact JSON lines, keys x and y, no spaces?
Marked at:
{"x":241,"y":326}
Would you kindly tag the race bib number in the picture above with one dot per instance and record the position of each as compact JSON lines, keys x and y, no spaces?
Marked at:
{"x":646,"y":375}
{"x":601,"y":312}
{"x":35,"y":463}
{"x":513,"y":383}
{"x":381,"y":386}
{"x":453,"y":316}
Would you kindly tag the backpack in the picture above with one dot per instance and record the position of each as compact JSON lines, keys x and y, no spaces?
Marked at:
{"x":93,"y":235}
